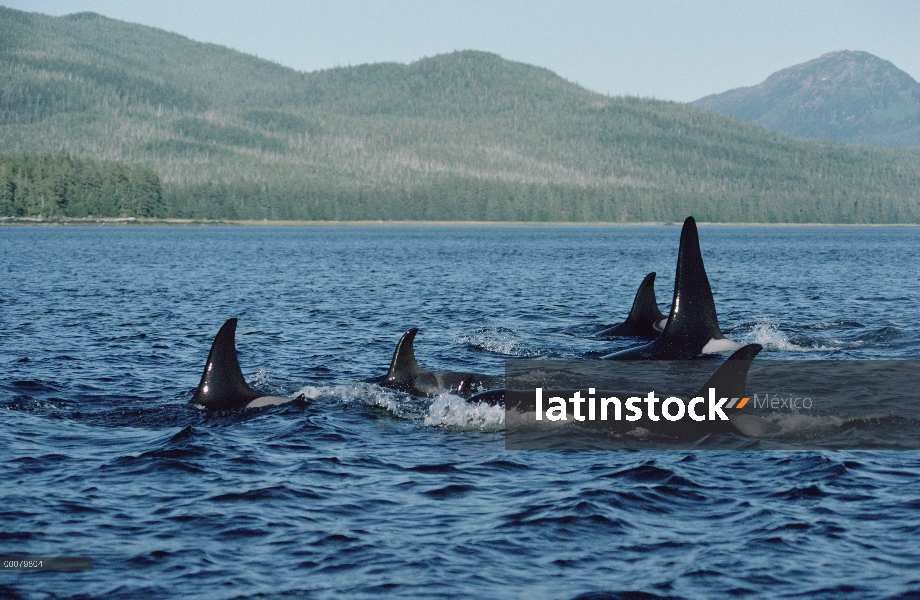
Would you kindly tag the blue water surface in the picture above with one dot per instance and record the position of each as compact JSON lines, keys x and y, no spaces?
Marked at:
{"x":361,"y":492}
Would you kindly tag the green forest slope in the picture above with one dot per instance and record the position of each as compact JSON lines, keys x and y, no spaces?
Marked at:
{"x":462,"y":136}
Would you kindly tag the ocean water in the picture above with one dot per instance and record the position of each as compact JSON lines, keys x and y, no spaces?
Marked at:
{"x":361,"y":492}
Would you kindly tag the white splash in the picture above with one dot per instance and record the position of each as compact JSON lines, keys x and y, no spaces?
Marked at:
{"x":790,"y":422}
{"x":262,"y":381}
{"x":639,"y":432}
{"x":724,"y":345}
{"x":769,"y":336}
{"x":502,"y":343}
{"x":454,"y":412}
{"x":398,"y":404}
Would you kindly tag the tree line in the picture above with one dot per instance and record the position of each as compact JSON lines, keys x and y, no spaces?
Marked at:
{"x":58,"y":185}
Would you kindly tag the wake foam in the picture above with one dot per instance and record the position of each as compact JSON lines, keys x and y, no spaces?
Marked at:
{"x":796,"y":422}
{"x":454,"y":412}
{"x":396,"y":403}
{"x":445,"y":410}
{"x":501,"y":342}
{"x":769,"y":336}
{"x":263,"y":381}
{"x":835,"y":325}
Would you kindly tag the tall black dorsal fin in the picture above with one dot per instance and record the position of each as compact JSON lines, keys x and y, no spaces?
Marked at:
{"x":693,"y":311}
{"x":403,"y":366}
{"x":730,"y":380}
{"x":643,"y":316}
{"x":222,"y":383}
{"x":692,"y":322}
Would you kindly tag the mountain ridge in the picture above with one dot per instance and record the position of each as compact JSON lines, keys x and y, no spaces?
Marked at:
{"x":460,"y":136}
{"x":846,"y":96}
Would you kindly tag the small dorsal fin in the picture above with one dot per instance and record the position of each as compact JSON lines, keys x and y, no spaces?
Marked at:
{"x":222,"y":384}
{"x":645,"y":306}
{"x":693,"y":311}
{"x":730,"y":380}
{"x":643,"y":316}
{"x":403,"y":366}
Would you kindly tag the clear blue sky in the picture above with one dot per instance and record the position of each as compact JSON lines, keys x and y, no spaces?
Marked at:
{"x":667,"y":50}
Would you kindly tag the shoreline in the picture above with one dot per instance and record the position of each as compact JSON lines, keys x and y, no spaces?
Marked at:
{"x":143,"y":221}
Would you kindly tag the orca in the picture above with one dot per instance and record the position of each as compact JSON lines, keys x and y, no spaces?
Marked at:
{"x":406,"y":375}
{"x":729,"y":381}
{"x":644,"y":320}
{"x":222,"y":385}
{"x":692,"y":328}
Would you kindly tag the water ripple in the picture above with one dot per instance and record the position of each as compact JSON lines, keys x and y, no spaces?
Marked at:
{"x":359,"y":491}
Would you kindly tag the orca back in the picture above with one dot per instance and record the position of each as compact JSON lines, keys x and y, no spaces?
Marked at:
{"x":494,"y":397}
{"x":222,"y":384}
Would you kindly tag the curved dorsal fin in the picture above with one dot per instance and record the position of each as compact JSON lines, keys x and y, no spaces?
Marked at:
{"x":222,"y":384}
{"x":645,"y":306}
{"x":730,"y":379}
{"x":693,"y":311}
{"x":403,"y":365}
{"x":643,"y":316}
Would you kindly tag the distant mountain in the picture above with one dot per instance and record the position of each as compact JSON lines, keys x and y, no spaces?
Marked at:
{"x":850,"y":97}
{"x":460,"y":136}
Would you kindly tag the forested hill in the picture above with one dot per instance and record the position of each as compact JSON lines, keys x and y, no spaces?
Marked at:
{"x":465,"y":136}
